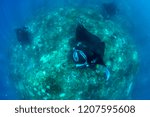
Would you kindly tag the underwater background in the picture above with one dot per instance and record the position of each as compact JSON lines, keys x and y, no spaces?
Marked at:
{"x":16,"y":13}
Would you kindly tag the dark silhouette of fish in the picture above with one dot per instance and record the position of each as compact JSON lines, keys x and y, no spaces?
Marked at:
{"x":91,"y":45}
{"x":109,"y":9}
{"x":88,"y":50}
{"x":23,"y":35}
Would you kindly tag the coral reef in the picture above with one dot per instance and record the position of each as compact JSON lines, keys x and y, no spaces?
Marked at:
{"x":45,"y":69}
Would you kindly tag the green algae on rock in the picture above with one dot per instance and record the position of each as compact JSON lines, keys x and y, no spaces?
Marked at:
{"x":45,"y":70}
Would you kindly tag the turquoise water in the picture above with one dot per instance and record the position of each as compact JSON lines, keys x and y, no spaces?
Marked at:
{"x":17,"y":13}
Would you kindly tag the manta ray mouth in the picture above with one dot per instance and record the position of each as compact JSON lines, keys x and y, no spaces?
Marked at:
{"x":79,"y":58}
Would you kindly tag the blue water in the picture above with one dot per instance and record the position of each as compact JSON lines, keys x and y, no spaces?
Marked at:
{"x":14,"y":13}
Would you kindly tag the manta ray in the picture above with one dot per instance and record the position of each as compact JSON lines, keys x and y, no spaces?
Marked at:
{"x":23,"y":35}
{"x":88,"y":50}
